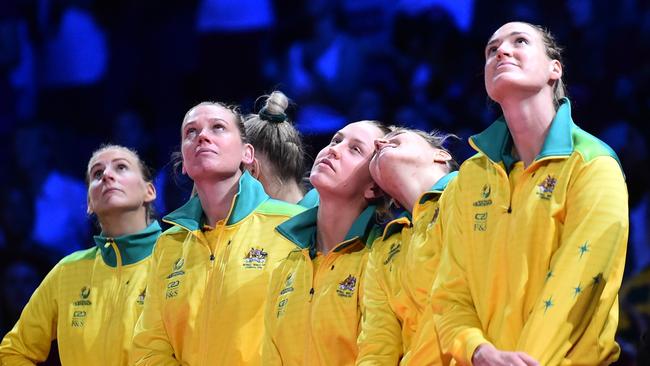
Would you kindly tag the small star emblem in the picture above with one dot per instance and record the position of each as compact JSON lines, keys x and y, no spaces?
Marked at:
{"x":577,"y":290}
{"x":548,"y":304}
{"x":549,"y":274}
{"x":596,"y":279}
{"x":584,"y":248}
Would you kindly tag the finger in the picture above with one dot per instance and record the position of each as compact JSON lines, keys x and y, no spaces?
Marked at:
{"x":528,"y":360}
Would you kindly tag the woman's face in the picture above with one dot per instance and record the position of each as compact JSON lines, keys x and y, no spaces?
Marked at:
{"x":211,"y":143}
{"x":516,"y":61}
{"x":397,"y":154}
{"x":116,"y":183}
{"x":342,"y":167}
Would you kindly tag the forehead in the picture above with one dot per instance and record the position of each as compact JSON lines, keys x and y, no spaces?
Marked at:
{"x":208,"y":111}
{"x":110,"y":154}
{"x":362,"y":131}
{"x":514,"y":27}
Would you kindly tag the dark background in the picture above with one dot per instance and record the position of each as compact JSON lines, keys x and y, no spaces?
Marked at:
{"x":78,"y":73}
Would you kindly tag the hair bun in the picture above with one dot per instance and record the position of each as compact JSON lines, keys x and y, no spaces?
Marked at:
{"x":274,"y":107}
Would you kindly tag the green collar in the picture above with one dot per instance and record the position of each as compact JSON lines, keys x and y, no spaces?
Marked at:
{"x":496,"y":141}
{"x":437,"y":188}
{"x":249,"y":196}
{"x":310,"y":199}
{"x":301,"y":229}
{"x":397,"y":225}
{"x":133,"y":247}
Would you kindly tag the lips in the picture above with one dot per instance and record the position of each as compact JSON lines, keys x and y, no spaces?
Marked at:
{"x":111,"y":190}
{"x":203,"y":150}
{"x":327,"y":162}
{"x":504,"y":64}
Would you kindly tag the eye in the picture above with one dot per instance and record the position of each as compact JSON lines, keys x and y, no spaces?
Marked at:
{"x":97,"y":174}
{"x":490,"y":50}
{"x":521,"y":40}
{"x":218,"y":127}
{"x":356,"y":149}
{"x":122,"y":166}
{"x":191,"y":132}
{"x":335,"y":140}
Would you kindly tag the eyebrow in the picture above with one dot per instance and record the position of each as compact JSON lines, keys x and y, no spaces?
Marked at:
{"x":496,"y":40}
{"x":212,"y":119}
{"x":112,"y":161}
{"x":393,"y":134}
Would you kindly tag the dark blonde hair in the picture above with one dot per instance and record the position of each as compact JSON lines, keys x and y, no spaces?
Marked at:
{"x":554,"y":52}
{"x":145,"y":171}
{"x":271,"y":133}
{"x":436,"y":139}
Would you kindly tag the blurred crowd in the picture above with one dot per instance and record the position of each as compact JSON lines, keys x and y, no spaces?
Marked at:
{"x":78,"y":73}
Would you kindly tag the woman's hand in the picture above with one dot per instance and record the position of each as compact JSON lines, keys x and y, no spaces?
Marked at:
{"x":487,"y":355}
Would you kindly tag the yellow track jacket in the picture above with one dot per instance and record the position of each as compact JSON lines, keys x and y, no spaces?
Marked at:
{"x":207,"y":287}
{"x":89,"y":303}
{"x":536,"y":256}
{"x":397,"y":283}
{"x":314,"y":309}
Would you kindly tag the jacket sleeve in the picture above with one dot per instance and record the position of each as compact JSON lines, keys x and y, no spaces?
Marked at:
{"x":456,"y":321}
{"x":30,"y":339}
{"x":576,"y":315}
{"x":270,"y":351}
{"x":380,"y":339}
{"x":151,"y":344}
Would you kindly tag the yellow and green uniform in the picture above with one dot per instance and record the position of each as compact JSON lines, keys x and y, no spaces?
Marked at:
{"x":534,"y":256}
{"x":207,"y":287}
{"x":89,"y":303}
{"x":314,"y":310}
{"x":397,"y":284}
{"x":310,"y":199}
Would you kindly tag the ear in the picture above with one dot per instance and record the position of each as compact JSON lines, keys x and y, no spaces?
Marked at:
{"x":441,"y":156}
{"x":254,"y":168}
{"x":556,"y":70}
{"x":248,"y":154}
{"x":183,"y":171}
{"x":150,"y":195}
{"x":372,"y":192}
{"x":89,"y":205}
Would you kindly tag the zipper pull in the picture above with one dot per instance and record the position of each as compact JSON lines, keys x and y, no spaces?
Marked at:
{"x":108,"y":242}
{"x":211,"y":257}
{"x":311,"y":294}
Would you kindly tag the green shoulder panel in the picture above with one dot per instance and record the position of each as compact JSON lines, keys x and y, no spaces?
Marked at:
{"x":590,"y":147}
{"x":277,"y":207}
{"x":86,"y":254}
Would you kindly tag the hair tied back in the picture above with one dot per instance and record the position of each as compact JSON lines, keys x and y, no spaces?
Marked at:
{"x":272,"y":117}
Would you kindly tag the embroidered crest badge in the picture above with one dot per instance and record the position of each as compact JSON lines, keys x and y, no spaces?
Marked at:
{"x":545,"y":189}
{"x":347,"y":286}
{"x":84,"y":294}
{"x":485,"y":200}
{"x":255,"y":258}
{"x":177,"y":268}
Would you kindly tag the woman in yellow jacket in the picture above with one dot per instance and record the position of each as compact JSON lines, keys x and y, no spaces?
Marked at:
{"x":414,"y":168}
{"x":91,"y":299}
{"x":314,"y":309}
{"x":533,"y":262}
{"x":210,"y":271}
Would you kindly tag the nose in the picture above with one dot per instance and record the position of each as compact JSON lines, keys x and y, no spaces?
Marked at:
{"x":334,"y":151}
{"x":203,"y":136}
{"x":380,"y":143}
{"x":503,"y":50}
{"x":108,"y":174}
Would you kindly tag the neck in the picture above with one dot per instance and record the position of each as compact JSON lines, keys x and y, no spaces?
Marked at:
{"x":528,"y":121}
{"x":285,"y":191}
{"x":216,"y":197}
{"x":334,"y":219}
{"x":416,"y":185}
{"x":123,"y":223}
